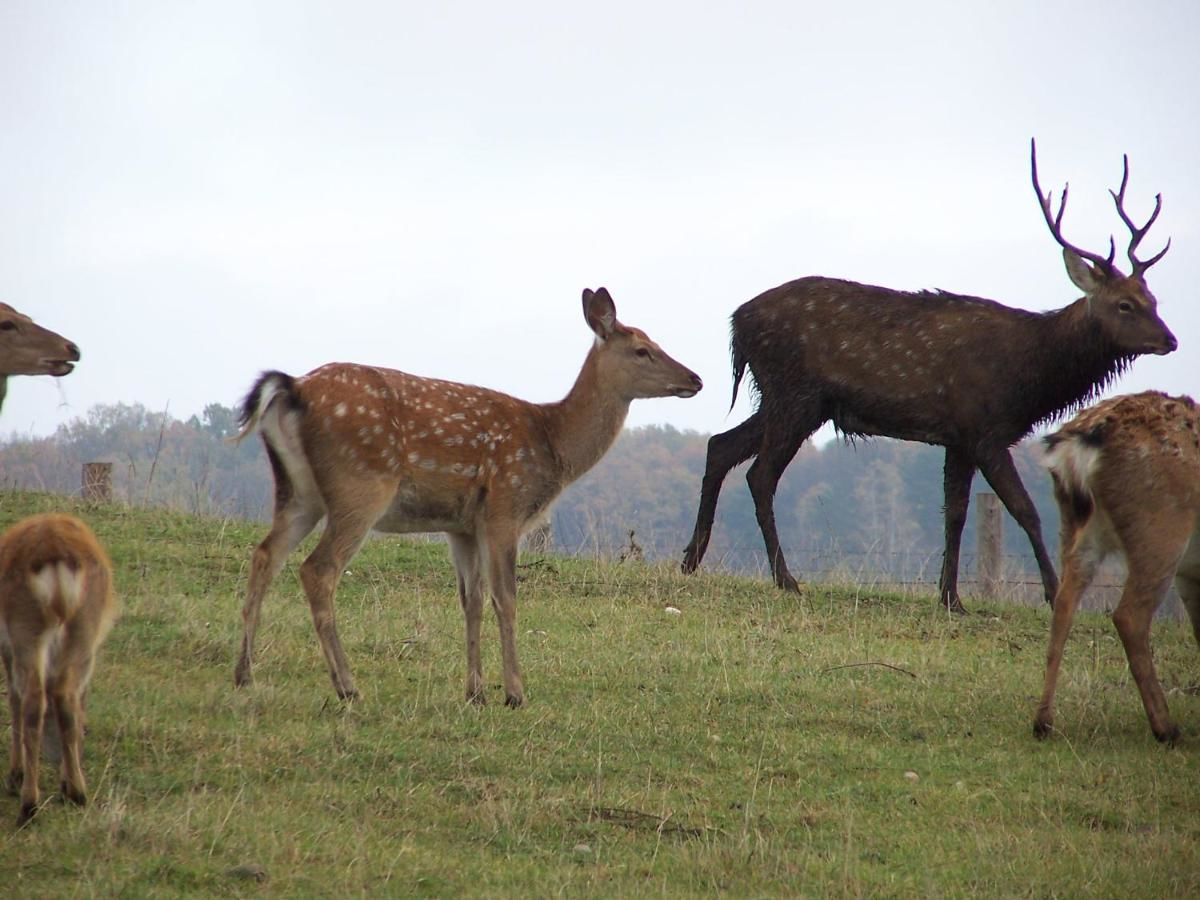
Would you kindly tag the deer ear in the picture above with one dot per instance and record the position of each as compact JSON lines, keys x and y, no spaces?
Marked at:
{"x":1084,"y":276}
{"x":600,"y":312}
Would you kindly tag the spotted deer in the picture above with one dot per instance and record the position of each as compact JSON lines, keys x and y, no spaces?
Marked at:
{"x":1127,"y":480}
{"x":366,"y":447}
{"x":27,"y":348}
{"x":56,"y":607}
{"x":964,"y":373}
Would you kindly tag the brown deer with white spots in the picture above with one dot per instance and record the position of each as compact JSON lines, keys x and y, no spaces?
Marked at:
{"x":372,"y":448}
{"x":27,"y":348}
{"x":56,"y":607}
{"x":964,"y":373}
{"x":1127,"y":480}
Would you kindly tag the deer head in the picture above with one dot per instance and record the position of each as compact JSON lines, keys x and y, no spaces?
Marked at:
{"x":633,"y":366}
{"x":1123,"y":305}
{"x":27,"y":348}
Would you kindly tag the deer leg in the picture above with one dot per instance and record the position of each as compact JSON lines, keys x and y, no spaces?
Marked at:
{"x":29,"y":666}
{"x":1132,"y":618}
{"x":1187,"y":582}
{"x":1153,"y":559}
{"x":320,"y":574}
{"x":1081,"y":556}
{"x":465,"y":553}
{"x":69,"y":713}
{"x":16,"y":765}
{"x":1002,"y":475}
{"x":501,"y":554}
{"x":957,"y":473}
{"x":293,"y":521}
{"x":1189,"y":593}
{"x":777,"y":450}
{"x":725,"y":451}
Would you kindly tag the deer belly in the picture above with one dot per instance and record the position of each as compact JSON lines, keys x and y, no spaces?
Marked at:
{"x":414,"y":511}
{"x":878,"y":423}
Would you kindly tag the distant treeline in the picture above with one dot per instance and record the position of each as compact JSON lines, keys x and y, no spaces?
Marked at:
{"x":869,"y":506}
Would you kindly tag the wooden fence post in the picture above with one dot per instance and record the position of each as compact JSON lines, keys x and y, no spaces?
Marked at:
{"x":97,"y":482}
{"x":989,"y":537}
{"x":540,"y":539}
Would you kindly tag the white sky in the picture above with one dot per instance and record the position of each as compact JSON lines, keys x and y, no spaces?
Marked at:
{"x":194,"y":192}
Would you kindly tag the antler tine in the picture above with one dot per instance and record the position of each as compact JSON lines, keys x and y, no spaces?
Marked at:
{"x":1136,"y":233}
{"x":1054,"y":222}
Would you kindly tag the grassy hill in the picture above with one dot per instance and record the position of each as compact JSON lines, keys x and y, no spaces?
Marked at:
{"x":751,"y":744}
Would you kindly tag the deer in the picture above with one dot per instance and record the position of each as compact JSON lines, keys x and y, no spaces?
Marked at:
{"x":27,"y":348}
{"x":365,"y":447}
{"x":56,"y":608}
{"x":1126,"y":476}
{"x":965,"y":373}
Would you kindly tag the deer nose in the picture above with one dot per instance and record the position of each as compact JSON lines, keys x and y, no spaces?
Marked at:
{"x":696,"y":382}
{"x":72,"y":351}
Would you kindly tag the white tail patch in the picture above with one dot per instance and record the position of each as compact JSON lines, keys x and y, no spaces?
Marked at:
{"x":57,"y":586}
{"x":1073,"y":462}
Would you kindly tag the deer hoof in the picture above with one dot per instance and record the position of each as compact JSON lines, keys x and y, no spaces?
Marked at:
{"x":242,"y":676}
{"x":512,"y":701}
{"x":1170,"y":736}
{"x":28,"y":811}
{"x":72,"y":794}
{"x":1042,"y":729}
{"x":786,"y":582}
{"x":954,"y":605}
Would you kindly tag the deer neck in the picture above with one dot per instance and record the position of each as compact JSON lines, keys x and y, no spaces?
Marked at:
{"x":583,"y":425}
{"x":1082,"y":361}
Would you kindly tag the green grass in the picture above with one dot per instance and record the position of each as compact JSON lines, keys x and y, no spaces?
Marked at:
{"x":750,"y":745}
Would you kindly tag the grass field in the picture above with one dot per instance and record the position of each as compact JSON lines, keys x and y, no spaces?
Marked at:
{"x":752,"y":744}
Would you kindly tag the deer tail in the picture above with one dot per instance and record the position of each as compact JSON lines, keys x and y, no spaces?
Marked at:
{"x":1072,"y":456}
{"x":269,"y":387}
{"x":739,"y":360}
{"x":57,"y":586}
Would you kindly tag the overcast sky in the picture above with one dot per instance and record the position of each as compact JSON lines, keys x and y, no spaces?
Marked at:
{"x":194,"y":192}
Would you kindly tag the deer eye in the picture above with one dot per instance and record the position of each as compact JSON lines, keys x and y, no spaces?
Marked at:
{"x":643,"y":352}
{"x":8,"y":325}
{"x":1125,"y":306}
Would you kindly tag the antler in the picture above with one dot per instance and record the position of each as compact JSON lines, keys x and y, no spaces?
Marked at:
{"x":1054,"y":222}
{"x":1138,"y":233}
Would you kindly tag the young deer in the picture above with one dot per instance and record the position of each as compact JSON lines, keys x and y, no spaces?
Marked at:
{"x":29,"y":349}
{"x":56,"y":607}
{"x":967,"y":374}
{"x":1127,"y":479}
{"x":367,"y":447}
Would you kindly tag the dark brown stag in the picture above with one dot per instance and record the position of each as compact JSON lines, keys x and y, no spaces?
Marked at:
{"x":968,"y":374}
